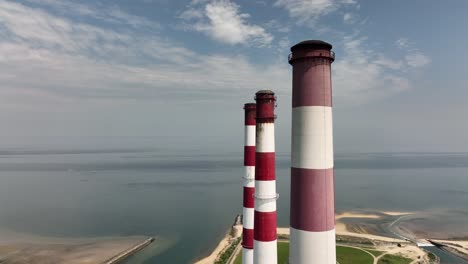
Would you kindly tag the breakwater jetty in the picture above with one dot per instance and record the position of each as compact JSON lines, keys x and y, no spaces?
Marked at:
{"x":127,"y":253}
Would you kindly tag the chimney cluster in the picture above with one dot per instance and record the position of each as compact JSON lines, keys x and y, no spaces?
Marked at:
{"x":312,"y":208}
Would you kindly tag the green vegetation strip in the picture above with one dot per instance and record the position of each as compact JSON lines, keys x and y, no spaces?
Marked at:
{"x":283,"y":252}
{"x":238,"y":258}
{"x":347,"y":255}
{"x":228,"y":252}
{"x":394,"y":259}
{"x":344,"y":255}
{"x":432,"y":257}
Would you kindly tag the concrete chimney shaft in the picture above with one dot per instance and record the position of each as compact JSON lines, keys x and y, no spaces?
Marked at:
{"x":312,"y":216}
{"x":249,"y":184}
{"x":265,"y":248}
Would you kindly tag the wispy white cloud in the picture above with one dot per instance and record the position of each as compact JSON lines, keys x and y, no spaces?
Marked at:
{"x":389,"y":63}
{"x":275,"y":25}
{"x":192,"y":14}
{"x":223,"y":21}
{"x":108,"y":13}
{"x":348,"y":18}
{"x":414,"y":57}
{"x":417,"y":59}
{"x":66,"y":59}
{"x":37,"y":29}
{"x":402,"y":43}
{"x":311,"y":10}
{"x":69,"y":59}
{"x":284,"y":43}
{"x":362,"y":74}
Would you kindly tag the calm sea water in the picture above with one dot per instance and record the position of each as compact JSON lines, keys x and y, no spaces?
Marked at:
{"x":190,"y":198}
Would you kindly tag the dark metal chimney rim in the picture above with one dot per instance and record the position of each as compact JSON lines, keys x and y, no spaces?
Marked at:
{"x":311,"y":48}
{"x":313,"y":44}
{"x":331,"y":56}
{"x":265,"y":94}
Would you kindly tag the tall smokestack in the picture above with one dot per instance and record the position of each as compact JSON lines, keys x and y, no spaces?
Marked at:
{"x":312,"y":218}
{"x":249,"y":184}
{"x":265,"y":251}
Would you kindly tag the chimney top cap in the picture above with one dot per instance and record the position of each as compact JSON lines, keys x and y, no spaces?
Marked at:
{"x":265,"y":92}
{"x":312,"y":44}
{"x":250,"y":106}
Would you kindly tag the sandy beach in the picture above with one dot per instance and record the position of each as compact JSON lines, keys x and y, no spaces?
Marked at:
{"x":219,"y":248}
{"x":22,"y":248}
{"x":341,"y":229}
{"x":223,"y":244}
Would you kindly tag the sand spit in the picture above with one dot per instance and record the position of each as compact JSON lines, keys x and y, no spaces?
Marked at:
{"x":395,"y":213}
{"x":373,"y":215}
{"x":356,"y":215}
{"x":342,"y":229}
{"x":24,"y":249}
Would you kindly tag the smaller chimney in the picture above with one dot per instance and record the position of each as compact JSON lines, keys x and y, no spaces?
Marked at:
{"x":265,"y":181}
{"x":249,"y":184}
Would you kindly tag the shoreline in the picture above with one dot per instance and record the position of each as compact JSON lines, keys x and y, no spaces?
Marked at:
{"x":21,"y":248}
{"x":456,"y":247}
{"x":391,"y":245}
{"x":223,"y":244}
{"x":234,"y":232}
{"x":340,"y":230}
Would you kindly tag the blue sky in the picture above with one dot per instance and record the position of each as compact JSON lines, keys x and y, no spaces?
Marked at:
{"x":184,"y":69}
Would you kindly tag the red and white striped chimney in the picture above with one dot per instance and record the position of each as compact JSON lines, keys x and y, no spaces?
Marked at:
{"x":265,"y":251}
{"x":249,"y":184}
{"x":312,"y":218}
